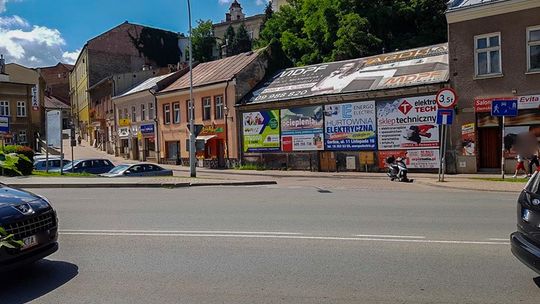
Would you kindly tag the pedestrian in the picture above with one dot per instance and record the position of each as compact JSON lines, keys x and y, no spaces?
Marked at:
{"x":520,"y":165}
{"x":534,"y":160}
{"x":79,"y":139}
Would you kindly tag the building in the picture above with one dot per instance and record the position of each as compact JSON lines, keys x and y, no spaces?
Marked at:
{"x":236,"y":17}
{"x":53,"y":103}
{"x":494,"y":49}
{"x":349,"y":115}
{"x":125,"y":48}
{"x":57,"y":80}
{"x":218,"y":86}
{"x":136,"y":118}
{"x":277,"y":4}
{"x":21,"y":104}
{"x":102,"y":115}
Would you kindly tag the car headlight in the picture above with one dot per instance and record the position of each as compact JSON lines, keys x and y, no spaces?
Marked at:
{"x":43,"y":201}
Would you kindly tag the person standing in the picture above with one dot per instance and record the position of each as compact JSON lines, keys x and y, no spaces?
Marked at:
{"x":520,"y":165}
{"x":534,"y":160}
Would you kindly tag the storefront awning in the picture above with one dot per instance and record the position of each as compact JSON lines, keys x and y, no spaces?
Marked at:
{"x":206,"y":138}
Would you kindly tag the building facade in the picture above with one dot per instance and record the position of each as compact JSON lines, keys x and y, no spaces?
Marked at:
{"x":348,"y":115}
{"x":57,"y":80}
{"x":125,"y":48}
{"x":218,"y":86}
{"x":494,"y":49}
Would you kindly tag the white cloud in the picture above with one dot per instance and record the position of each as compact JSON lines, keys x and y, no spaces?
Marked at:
{"x":220,"y":1}
{"x":2,"y":6}
{"x":70,"y":57}
{"x":31,"y":46}
{"x":261,"y":2}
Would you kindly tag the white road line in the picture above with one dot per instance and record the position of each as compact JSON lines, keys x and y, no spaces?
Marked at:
{"x":290,"y":237}
{"x":391,"y":236}
{"x":179,"y":232}
{"x":499,"y":239}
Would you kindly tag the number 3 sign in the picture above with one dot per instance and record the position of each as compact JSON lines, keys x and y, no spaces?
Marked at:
{"x":446,"y":98}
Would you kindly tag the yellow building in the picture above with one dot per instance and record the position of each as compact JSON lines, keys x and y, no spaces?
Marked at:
{"x":78,"y":85}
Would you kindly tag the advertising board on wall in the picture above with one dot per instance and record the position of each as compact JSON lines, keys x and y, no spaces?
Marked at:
{"x":350,"y":126}
{"x":414,"y":159}
{"x":468,"y":139}
{"x":261,"y":131}
{"x":54,"y":128}
{"x":407,"y":123}
{"x":302,"y":129}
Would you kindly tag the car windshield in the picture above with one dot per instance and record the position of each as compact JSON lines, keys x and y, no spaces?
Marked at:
{"x":70,"y":165}
{"x":119,"y":169}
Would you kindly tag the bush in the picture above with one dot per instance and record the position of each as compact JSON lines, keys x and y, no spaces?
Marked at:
{"x":14,"y":164}
{"x":24,"y":150}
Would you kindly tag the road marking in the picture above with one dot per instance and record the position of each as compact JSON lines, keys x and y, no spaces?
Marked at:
{"x":180,"y":232}
{"x":391,"y":236}
{"x":290,"y":237}
{"x":498,"y":239}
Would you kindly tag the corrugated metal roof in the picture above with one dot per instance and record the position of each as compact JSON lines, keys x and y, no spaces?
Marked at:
{"x":462,"y":4}
{"x":146,"y":85}
{"x":214,"y":71}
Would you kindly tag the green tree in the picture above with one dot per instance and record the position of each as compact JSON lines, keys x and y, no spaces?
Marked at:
{"x":242,"y":41}
{"x":354,"y":39}
{"x":204,"y":42}
{"x":230,"y":40}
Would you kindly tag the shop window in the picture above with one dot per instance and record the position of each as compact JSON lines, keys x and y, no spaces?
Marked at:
{"x":4,"y":108}
{"x":21,"y":108}
{"x":176,"y":112}
{"x":218,"y":106}
{"x":487,"y":56}
{"x":207,"y":108}
{"x":533,"y":49}
{"x":167,"y":113}
{"x":143,"y":112}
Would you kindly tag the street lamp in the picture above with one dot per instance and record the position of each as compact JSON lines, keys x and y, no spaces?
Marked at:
{"x":192,"y":160}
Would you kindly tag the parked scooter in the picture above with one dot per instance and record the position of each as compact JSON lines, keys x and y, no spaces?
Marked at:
{"x":397,"y":169}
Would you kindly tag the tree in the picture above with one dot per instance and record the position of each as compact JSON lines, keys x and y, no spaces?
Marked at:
{"x":204,"y":42}
{"x":242,"y":41}
{"x":230,"y":40}
{"x":354,"y":39}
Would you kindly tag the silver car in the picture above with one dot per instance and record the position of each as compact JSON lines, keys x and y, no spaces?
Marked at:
{"x":137,"y":170}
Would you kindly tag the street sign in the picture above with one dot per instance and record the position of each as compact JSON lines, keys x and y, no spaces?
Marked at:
{"x":124,"y":122}
{"x":446,"y":98}
{"x":501,"y":108}
{"x":198,"y":129}
{"x":445,"y":116}
{"x":4,"y":124}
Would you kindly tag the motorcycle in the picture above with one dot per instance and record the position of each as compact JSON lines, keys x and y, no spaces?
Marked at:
{"x":397,"y":170}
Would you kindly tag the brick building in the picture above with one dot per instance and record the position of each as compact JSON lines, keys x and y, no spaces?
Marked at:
{"x":57,"y":80}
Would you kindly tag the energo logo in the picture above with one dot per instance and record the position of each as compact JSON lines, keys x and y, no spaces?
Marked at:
{"x":405,"y":107}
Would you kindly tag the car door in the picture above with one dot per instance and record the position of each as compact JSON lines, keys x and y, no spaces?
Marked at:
{"x":529,"y":215}
{"x":136,"y":170}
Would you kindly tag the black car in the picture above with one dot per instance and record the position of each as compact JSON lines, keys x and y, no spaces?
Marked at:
{"x":92,"y":166}
{"x":526,"y":241}
{"x":32,"y":220}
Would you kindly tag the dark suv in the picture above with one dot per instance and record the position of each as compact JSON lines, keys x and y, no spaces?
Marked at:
{"x":526,"y":241}
{"x":32,"y":220}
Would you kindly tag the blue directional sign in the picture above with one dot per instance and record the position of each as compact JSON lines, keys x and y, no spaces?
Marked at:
{"x":4,"y":124}
{"x":502,"y":108}
{"x":445,"y":116}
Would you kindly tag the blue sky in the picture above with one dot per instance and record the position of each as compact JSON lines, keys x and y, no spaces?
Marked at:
{"x":43,"y":32}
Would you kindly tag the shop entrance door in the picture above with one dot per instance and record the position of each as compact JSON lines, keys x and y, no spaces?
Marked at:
{"x":490,"y":148}
{"x":221,"y":154}
{"x":327,"y":161}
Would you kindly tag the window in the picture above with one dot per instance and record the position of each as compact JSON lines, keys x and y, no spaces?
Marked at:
{"x":22,"y":137}
{"x":207,"y":108}
{"x":133,"y":114}
{"x":143,"y":112}
{"x":188,"y":110}
{"x":176,"y":112}
{"x":167,"y":113}
{"x":488,"y":54}
{"x":151,"y":114}
{"x":218,"y":106}
{"x":21,"y":108}
{"x":533,"y":49}
{"x":4,"y":108}
{"x":126,"y":116}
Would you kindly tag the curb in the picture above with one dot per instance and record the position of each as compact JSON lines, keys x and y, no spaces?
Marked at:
{"x":224,"y":172}
{"x":139,"y":185}
{"x":436,"y":185}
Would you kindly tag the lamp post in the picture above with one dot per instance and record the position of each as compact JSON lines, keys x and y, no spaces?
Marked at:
{"x":192,"y":160}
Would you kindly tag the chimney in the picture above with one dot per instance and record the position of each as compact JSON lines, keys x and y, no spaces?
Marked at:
{"x":2,"y":65}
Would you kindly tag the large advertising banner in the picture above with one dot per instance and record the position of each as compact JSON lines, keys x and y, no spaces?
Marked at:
{"x":261,"y":131}
{"x":302,"y":129}
{"x":414,"y":159}
{"x":350,"y":126}
{"x":408,"y":123}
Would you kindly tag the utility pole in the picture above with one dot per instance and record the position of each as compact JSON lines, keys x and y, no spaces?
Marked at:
{"x":192,"y":160}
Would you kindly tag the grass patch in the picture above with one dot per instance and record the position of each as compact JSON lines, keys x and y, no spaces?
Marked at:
{"x":57,"y":174}
{"x":251,"y":167}
{"x":507,"y":179}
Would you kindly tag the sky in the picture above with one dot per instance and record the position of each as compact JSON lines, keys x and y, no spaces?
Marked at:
{"x":38,"y":33}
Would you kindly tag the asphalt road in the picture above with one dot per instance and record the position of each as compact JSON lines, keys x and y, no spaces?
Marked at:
{"x":278,"y":244}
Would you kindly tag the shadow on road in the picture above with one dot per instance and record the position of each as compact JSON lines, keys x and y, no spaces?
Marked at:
{"x":33,"y":281}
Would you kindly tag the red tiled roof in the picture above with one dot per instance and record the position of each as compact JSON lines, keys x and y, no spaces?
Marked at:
{"x":214,"y":71}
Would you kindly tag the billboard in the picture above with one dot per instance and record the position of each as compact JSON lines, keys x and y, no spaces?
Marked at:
{"x":54,"y":128}
{"x":302,"y":129}
{"x":414,"y":159}
{"x":408,"y":123}
{"x":350,"y":126}
{"x":261,"y":131}
{"x":400,"y":69}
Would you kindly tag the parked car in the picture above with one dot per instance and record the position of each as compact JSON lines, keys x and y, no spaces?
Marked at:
{"x":526,"y":240}
{"x":138,"y":170}
{"x":92,"y":166}
{"x":54,"y":163}
{"x":32,"y":220}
